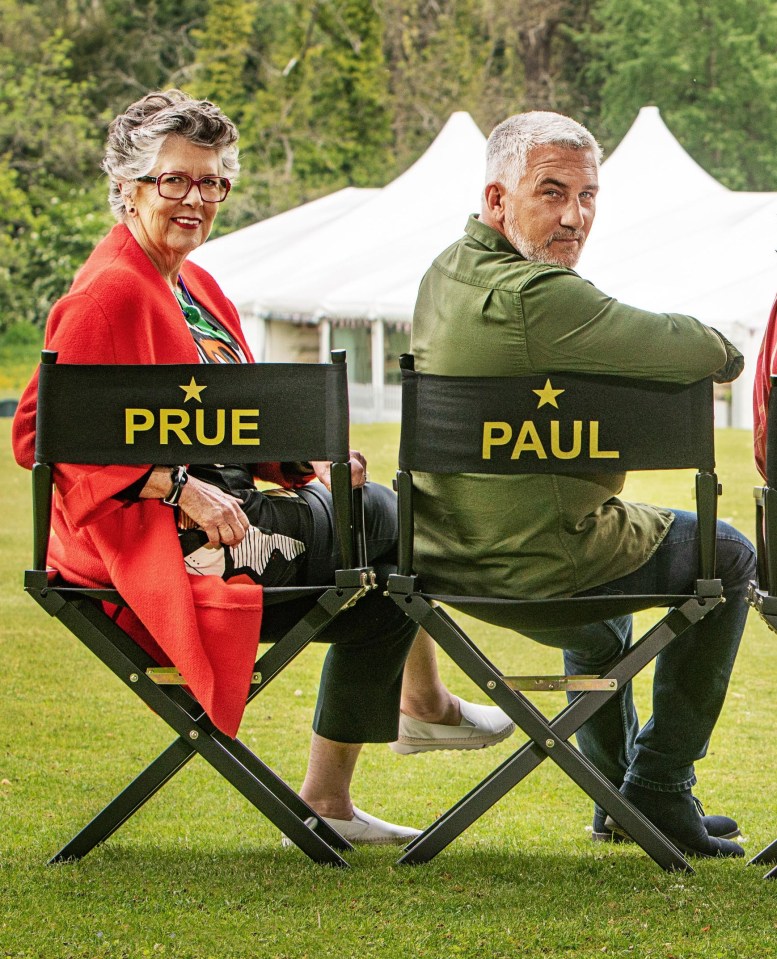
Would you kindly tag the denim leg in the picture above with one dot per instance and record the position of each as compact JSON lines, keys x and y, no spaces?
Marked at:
{"x":607,"y":739}
{"x":692,"y":673}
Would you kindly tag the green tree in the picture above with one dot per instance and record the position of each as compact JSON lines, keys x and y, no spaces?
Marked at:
{"x":709,"y":66}
{"x":485,"y":56}
{"x":348,"y":84}
{"x":126,"y":48}
{"x":49,"y":161}
{"x":16,"y":217}
{"x":317,"y":107}
{"x":534,"y":30}
{"x":224,"y":42}
{"x":442,"y":57}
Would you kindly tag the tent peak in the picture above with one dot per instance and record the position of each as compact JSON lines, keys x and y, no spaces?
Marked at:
{"x":652,"y":160}
{"x":455,"y":157}
{"x":459,"y":123}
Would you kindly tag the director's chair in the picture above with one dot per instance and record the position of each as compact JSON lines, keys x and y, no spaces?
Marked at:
{"x":303,"y":415}
{"x":762,"y":594}
{"x":649,"y":426}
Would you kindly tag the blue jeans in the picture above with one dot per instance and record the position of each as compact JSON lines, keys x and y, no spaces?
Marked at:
{"x":691,"y":674}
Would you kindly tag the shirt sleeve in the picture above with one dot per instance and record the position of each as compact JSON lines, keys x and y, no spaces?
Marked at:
{"x":131,"y":493}
{"x":595,"y":333}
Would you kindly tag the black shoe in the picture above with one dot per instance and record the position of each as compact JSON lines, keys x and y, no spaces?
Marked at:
{"x":678,"y":816}
{"x":605,"y":829}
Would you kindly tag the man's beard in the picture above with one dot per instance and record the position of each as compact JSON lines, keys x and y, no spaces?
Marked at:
{"x":541,"y":252}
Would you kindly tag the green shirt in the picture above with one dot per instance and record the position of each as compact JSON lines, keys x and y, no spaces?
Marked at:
{"x":484,"y":310}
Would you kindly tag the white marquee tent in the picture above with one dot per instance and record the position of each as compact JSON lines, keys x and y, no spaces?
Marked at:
{"x":667,"y":237}
{"x":670,"y":237}
{"x":244,"y":261}
{"x":352,"y":257}
{"x":360,"y":259}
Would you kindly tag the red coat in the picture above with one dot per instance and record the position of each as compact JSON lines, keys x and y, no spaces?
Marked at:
{"x":120,"y":310}
{"x":765,"y":367}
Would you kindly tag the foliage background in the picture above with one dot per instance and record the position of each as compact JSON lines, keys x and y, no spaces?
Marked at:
{"x":330,"y":93}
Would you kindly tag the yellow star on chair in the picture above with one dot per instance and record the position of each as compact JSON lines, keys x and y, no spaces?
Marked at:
{"x":192,"y":391}
{"x":547,"y":395}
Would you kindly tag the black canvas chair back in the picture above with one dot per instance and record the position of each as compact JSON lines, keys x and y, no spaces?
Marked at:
{"x":250,"y":413}
{"x":498,"y":426}
{"x":762,"y":593}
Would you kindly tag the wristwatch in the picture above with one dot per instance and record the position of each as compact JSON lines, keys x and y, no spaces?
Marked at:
{"x":179,"y":477}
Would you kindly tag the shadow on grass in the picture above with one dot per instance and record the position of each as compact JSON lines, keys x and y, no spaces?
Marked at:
{"x":185,"y":896}
{"x":574,"y":867}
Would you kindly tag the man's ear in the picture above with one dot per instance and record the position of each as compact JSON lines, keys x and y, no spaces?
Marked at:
{"x":495,"y":200}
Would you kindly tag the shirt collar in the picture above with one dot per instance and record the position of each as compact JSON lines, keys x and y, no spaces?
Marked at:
{"x":489,"y":237}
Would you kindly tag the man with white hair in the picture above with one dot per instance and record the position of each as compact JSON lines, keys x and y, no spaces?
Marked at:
{"x":505,"y":301}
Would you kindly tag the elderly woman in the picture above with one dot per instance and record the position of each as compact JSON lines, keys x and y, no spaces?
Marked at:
{"x":171,"y":161}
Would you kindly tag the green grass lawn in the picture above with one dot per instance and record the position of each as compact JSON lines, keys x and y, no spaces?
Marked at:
{"x":198,"y":873}
{"x":17,"y":361}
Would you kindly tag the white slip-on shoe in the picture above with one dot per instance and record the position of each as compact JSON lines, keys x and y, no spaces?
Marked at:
{"x":480,"y":726}
{"x":367,"y":830}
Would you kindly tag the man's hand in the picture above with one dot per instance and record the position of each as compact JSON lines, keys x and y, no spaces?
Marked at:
{"x":323,"y":470}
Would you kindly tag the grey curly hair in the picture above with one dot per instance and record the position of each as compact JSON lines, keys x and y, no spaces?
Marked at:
{"x":136,"y":136}
{"x":511,"y":141}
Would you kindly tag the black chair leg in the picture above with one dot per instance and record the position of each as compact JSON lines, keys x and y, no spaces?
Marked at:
{"x":548,"y":738}
{"x":236,"y":763}
{"x":453,"y":822}
{"x":261,"y":795}
{"x":281,"y":790}
{"x":162,"y":769}
{"x":767,"y":855}
{"x":127,"y":802}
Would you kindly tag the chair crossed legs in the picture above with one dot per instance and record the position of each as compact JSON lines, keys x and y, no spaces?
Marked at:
{"x":314,"y":396}
{"x":442,"y":431}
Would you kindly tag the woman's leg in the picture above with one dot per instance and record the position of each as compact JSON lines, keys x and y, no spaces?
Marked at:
{"x":327,"y":785}
{"x":372,"y":645}
{"x":425,"y":699}
{"x":424,"y":695}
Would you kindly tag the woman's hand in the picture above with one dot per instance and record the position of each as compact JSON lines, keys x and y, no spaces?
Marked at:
{"x":323,"y":470}
{"x":217,"y":513}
